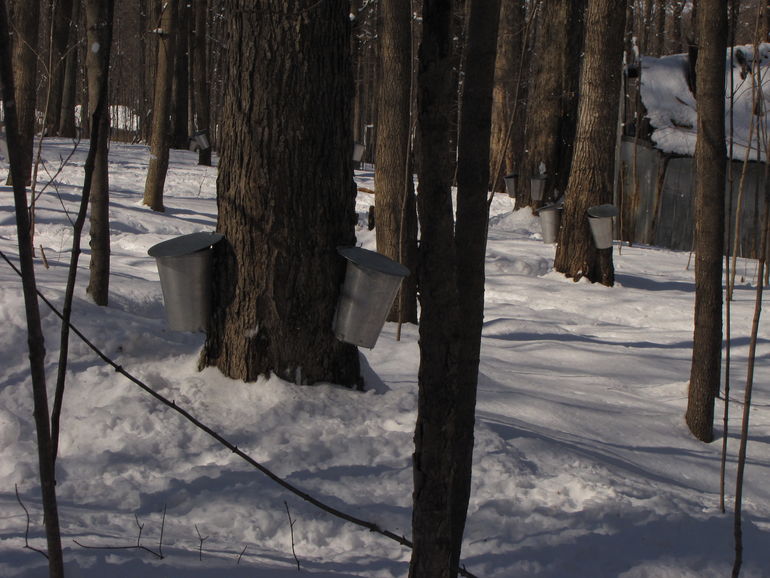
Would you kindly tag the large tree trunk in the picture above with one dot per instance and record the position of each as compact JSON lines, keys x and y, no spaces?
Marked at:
{"x":99,"y":33}
{"x":285,"y":193}
{"x":24,"y":16}
{"x":451,"y":281}
{"x":509,"y":98}
{"x":553,"y":96}
{"x":710,"y":165}
{"x":164,"y":80}
{"x":395,"y":205}
{"x":201,"y":104}
{"x":592,"y":175}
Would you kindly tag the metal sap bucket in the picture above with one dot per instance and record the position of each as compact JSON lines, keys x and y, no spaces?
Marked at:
{"x":537,"y":187}
{"x":550,"y":221}
{"x":184,"y":267}
{"x":510,"y":184}
{"x":202,"y":139}
{"x":358,"y":152}
{"x":371,"y":283}
{"x":600,"y":220}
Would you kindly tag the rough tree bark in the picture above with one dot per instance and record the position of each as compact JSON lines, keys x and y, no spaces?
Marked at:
{"x":35,"y":338}
{"x":395,"y":205}
{"x":710,"y":166}
{"x":591,"y":178}
{"x":451,"y":280}
{"x":67,"y":127}
{"x":60,"y":12}
{"x":285,"y":194}
{"x":164,"y":80}
{"x":25,"y":16}
{"x":99,"y":34}
{"x":510,"y":48}
{"x":201,"y":103}
{"x":553,"y":96}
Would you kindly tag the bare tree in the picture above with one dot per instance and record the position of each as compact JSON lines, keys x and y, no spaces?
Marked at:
{"x":710,"y":165}
{"x":395,"y":205}
{"x":35,"y":338}
{"x":552,"y":97}
{"x":591,"y":178}
{"x":164,"y":79}
{"x":285,"y":194}
{"x":67,"y":125}
{"x":99,"y":33}
{"x":199,"y":56}
{"x":451,"y":279}
{"x":25,"y":16}
{"x":509,"y":96}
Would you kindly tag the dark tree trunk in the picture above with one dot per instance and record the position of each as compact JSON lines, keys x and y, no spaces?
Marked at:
{"x":591,"y":178}
{"x":199,"y":56}
{"x":35,"y":339}
{"x":164,"y":80}
{"x":507,"y":141}
{"x":180,"y":134}
{"x":553,"y":96}
{"x":395,"y":205}
{"x":451,"y":281}
{"x":60,"y":11}
{"x":709,"y":219}
{"x":285,"y":194}
{"x":67,"y":127}
{"x":24,"y":17}
{"x":99,"y":33}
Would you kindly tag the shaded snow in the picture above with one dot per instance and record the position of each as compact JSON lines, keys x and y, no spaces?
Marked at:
{"x":583,"y":464}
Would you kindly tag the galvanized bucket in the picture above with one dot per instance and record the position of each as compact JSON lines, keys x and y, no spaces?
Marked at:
{"x":510,"y":184}
{"x":184,"y":267}
{"x":358,"y":152}
{"x":371,"y":284}
{"x":537,"y":187}
{"x":202,"y":139}
{"x":600,"y":220}
{"x":550,"y":220}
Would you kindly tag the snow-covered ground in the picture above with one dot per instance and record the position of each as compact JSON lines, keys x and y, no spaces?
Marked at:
{"x":583,"y":464}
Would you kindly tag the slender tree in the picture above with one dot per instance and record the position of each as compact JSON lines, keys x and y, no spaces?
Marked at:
{"x":24,"y":17}
{"x":451,"y":280}
{"x":67,"y":125}
{"x":395,"y":205}
{"x":285,"y":194}
{"x":710,"y":167}
{"x":199,"y":56}
{"x":180,"y":133}
{"x":164,"y":79}
{"x":35,"y":339}
{"x":591,"y":178}
{"x":99,"y":33}
{"x":60,"y":12}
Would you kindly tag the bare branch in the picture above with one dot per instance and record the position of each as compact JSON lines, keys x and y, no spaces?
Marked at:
{"x":26,"y":530}
{"x":291,"y":530}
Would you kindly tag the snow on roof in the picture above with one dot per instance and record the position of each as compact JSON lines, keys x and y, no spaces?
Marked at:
{"x":671,"y":106}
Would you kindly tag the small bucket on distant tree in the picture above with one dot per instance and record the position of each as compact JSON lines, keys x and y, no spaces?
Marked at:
{"x":537,"y":187}
{"x":550,"y":221}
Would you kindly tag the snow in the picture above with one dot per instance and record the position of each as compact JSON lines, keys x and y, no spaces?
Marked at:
{"x":583,"y":465}
{"x":671,"y":106}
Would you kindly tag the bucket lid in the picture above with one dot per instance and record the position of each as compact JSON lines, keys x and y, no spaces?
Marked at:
{"x":185,"y":245}
{"x":603,"y":211}
{"x":373,"y":260}
{"x":551,"y":207}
